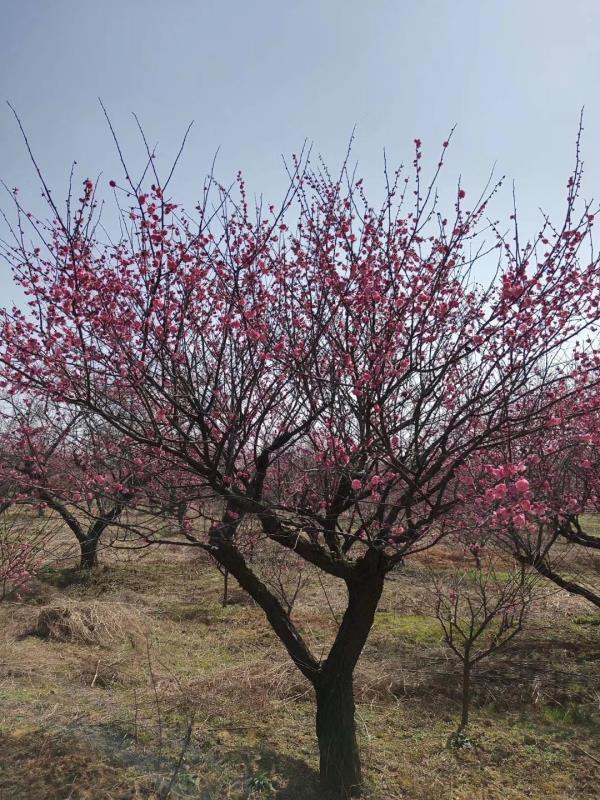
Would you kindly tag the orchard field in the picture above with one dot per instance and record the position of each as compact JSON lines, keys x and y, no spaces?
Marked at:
{"x":135,"y":681}
{"x":300,"y":401}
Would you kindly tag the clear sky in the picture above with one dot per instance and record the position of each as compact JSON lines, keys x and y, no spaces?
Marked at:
{"x":258,"y":77}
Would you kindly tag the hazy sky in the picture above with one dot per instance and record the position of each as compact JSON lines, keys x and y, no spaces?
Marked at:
{"x":258,"y":77}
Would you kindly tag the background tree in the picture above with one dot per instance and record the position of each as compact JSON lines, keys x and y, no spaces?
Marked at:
{"x":551,"y":527}
{"x":61,"y":459}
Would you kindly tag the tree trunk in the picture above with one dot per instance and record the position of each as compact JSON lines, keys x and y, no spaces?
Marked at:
{"x":466,"y":695}
{"x":181,"y":514}
{"x":225,"y":598}
{"x":340,"y":769}
{"x":339,"y":766}
{"x":89,"y":553}
{"x":332,"y":680}
{"x":89,"y":543}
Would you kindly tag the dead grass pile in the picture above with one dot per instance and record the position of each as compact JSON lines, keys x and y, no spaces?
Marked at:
{"x":91,"y":623}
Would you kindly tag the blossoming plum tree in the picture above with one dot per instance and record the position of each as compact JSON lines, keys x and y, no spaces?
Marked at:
{"x":334,"y":371}
{"x":563,"y":491}
{"x":68,"y":461}
{"x":19,"y":558}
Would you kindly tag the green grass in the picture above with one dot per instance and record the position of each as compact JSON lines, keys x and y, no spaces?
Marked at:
{"x":587,"y":619}
{"x":410,"y":628}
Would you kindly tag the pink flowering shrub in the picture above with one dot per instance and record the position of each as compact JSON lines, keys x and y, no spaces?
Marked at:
{"x":19,"y":561}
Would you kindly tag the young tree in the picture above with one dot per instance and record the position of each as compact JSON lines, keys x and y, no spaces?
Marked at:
{"x":326,"y":368}
{"x":481,"y":611}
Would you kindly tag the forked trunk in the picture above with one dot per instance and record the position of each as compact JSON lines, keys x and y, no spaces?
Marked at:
{"x":340,"y":769}
{"x":466,"y":695}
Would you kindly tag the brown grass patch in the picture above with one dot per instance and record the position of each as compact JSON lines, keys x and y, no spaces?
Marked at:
{"x":36,"y":766}
{"x":249,"y":687}
{"x":90,"y":623}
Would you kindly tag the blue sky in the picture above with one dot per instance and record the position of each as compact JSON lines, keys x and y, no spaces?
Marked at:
{"x":259,"y":77}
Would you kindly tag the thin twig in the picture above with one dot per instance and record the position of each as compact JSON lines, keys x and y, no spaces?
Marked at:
{"x":186,"y":744}
{"x":585,"y":752}
{"x":156,"y":700}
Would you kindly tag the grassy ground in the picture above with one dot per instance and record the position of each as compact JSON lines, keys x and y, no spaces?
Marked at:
{"x":162,"y":692}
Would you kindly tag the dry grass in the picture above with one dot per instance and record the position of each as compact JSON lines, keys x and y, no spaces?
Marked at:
{"x":38,"y":765}
{"x":126,"y":662}
{"x":88,"y":623}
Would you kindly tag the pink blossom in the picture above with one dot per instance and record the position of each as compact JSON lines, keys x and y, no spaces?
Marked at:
{"x":500,"y":491}
{"x":522,"y":485}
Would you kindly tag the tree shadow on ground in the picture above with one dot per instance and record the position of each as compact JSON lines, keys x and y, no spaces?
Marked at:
{"x":38,"y":766}
{"x":295,"y":779}
{"x":95,"y":761}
